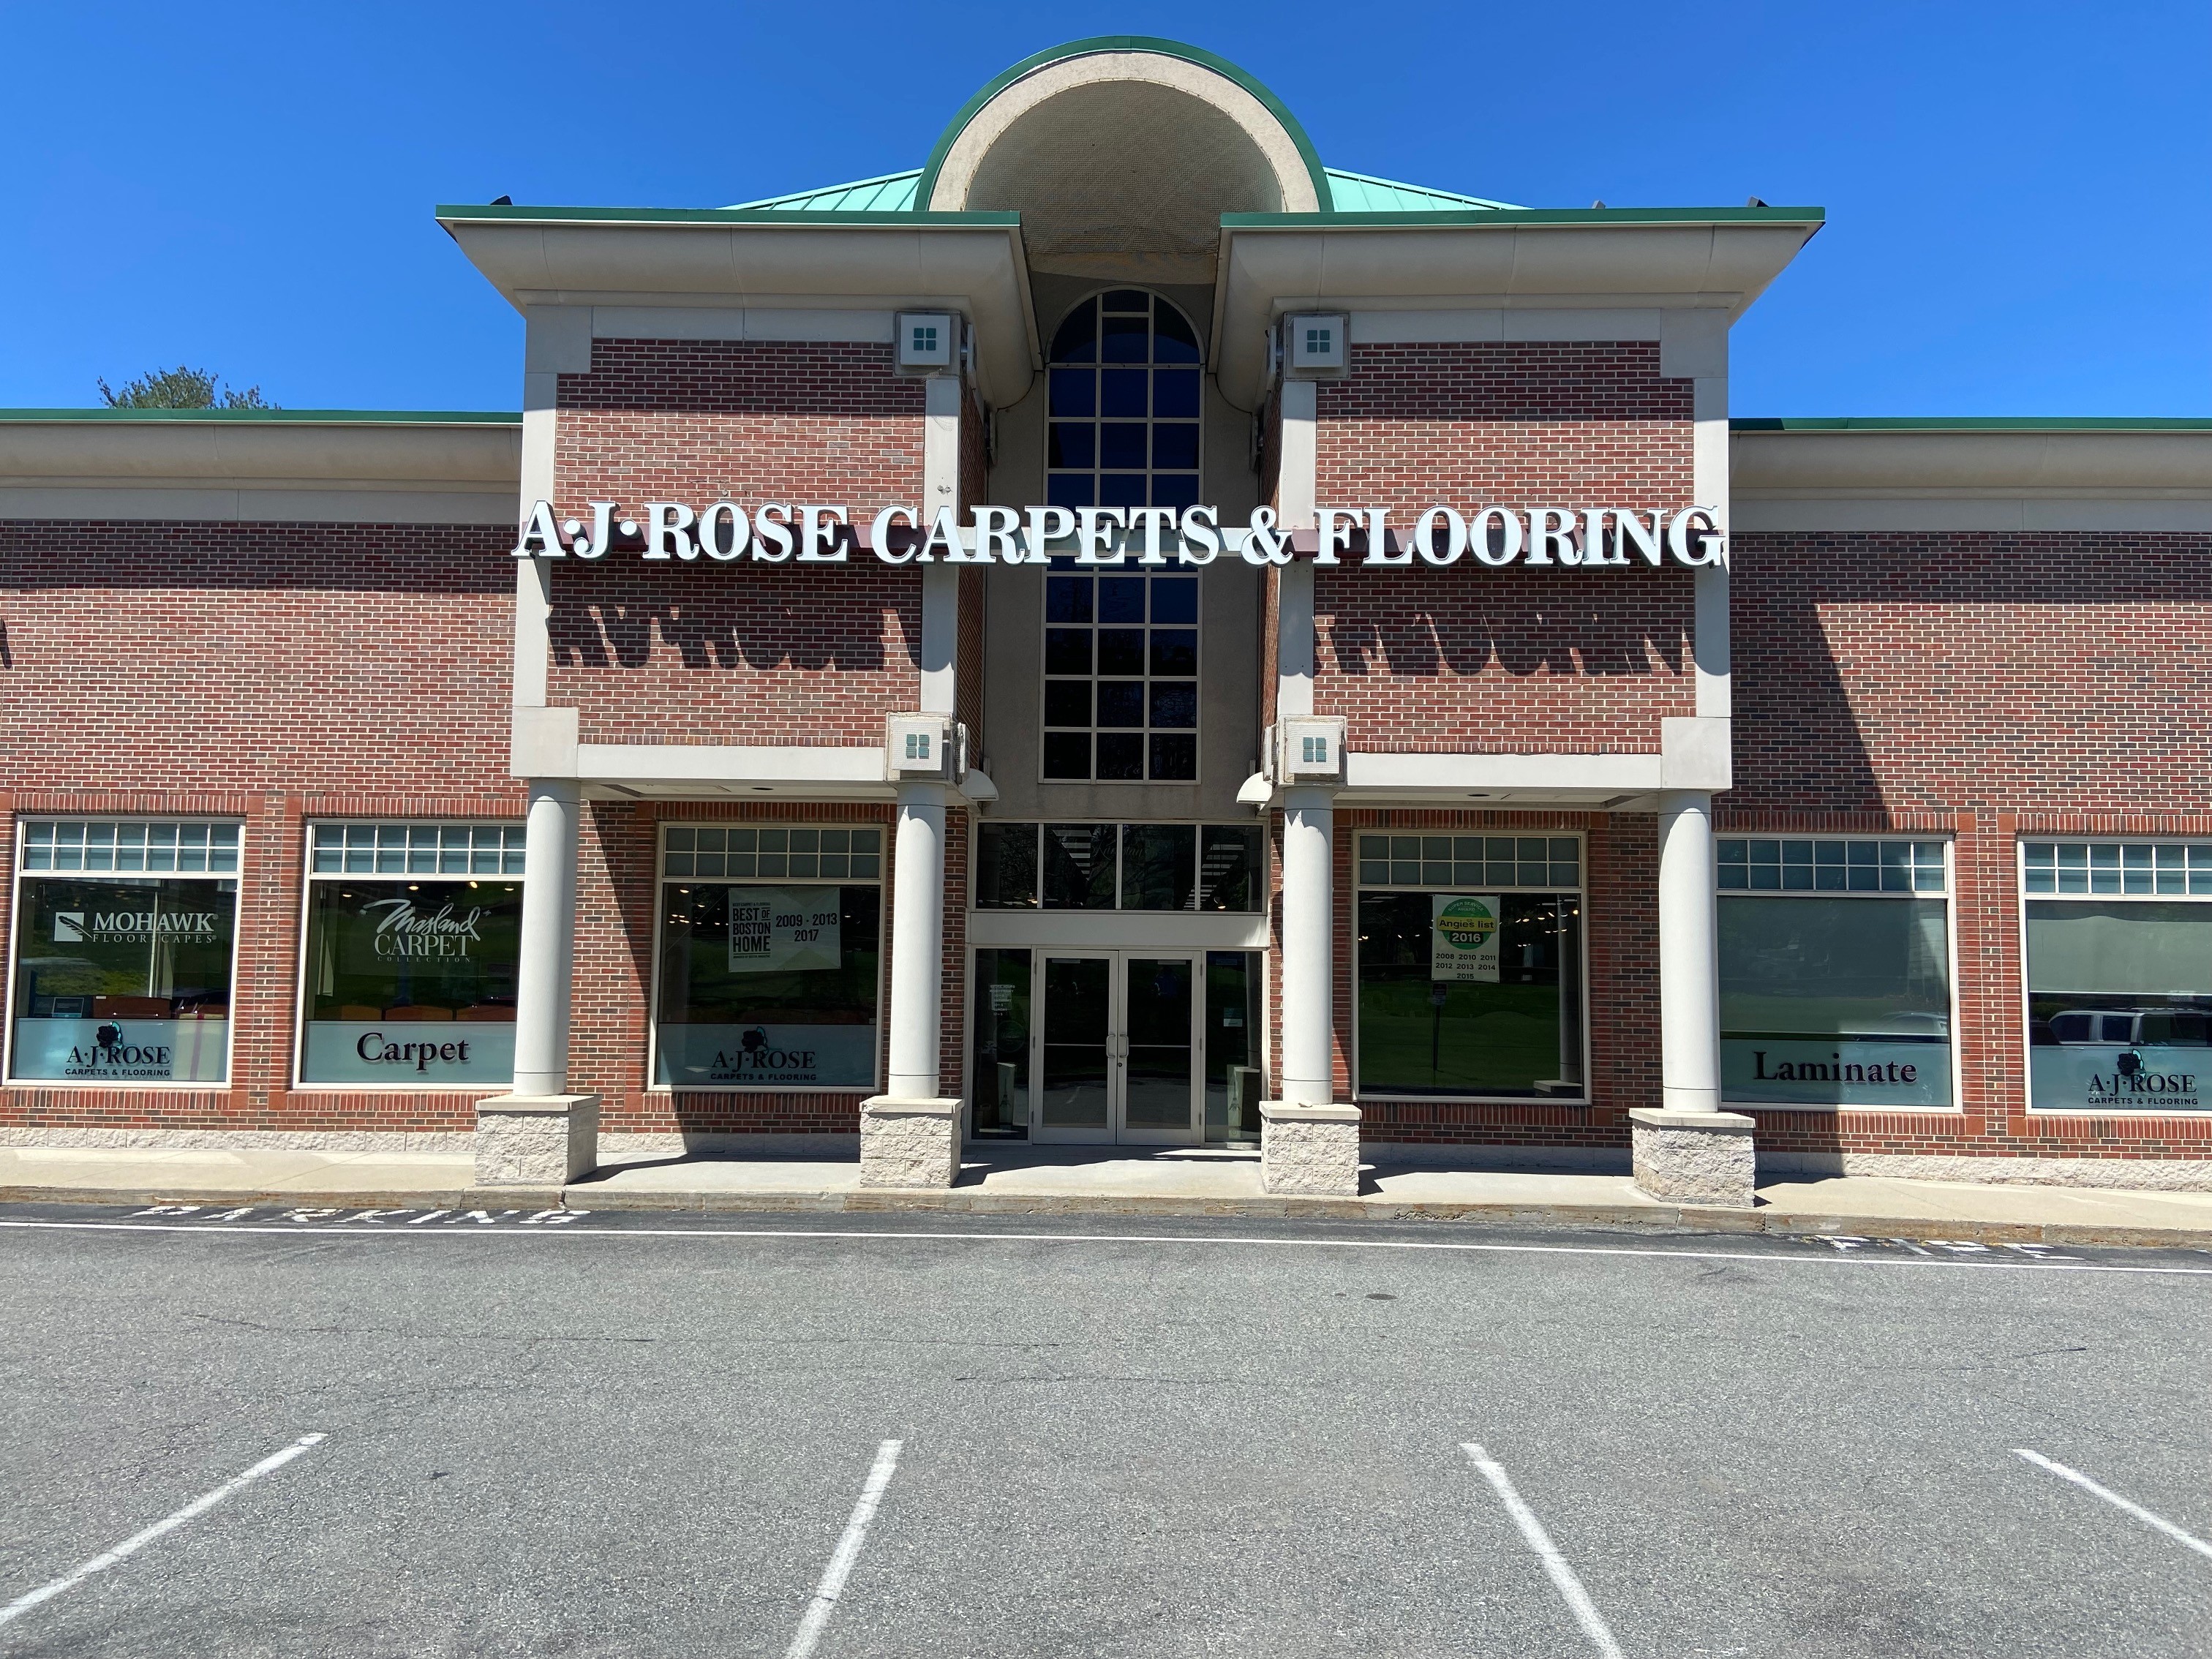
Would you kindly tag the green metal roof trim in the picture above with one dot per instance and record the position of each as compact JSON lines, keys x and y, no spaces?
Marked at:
{"x":1361,"y":192}
{"x":1506,"y":216}
{"x":1971,"y":424}
{"x":1098,"y":43}
{"x":278,"y":416}
{"x":488,"y":214}
{"x":894,"y":192}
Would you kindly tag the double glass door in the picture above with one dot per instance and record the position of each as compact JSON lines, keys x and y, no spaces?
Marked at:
{"x":1118,"y":1049}
{"x":1103,"y":1046}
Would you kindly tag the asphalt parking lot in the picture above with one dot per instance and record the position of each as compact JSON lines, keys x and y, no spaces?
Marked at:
{"x":262,"y":1431}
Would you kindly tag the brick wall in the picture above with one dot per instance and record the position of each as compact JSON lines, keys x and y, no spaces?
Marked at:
{"x":617,"y":918}
{"x":271,"y":673}
{"x":2046,"y":672}
{"x":1621,"y":925}
{"x":1982,"y":687}
{"x":747,"y":652}
{"x":1516,"y":661}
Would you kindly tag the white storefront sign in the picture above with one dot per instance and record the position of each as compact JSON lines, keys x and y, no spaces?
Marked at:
{"x":783,"y":929}
{"x":773,"y":532}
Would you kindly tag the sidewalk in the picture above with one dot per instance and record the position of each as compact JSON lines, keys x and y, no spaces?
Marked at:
{"x":1177,"y":1181}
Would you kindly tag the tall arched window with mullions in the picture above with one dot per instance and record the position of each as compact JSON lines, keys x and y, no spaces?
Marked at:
{"x":1125,"y":404}
{"x":1120,"y":646}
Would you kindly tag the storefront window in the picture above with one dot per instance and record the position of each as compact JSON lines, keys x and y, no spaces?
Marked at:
{"x":2119,"y":975}
{"x":125,"y":935}
{"x":1129,"y":866}
{"x":1835,"y":963}
{"x":412,"y":941}
{"x":1471,"y":992}
{"x":771,"y":943}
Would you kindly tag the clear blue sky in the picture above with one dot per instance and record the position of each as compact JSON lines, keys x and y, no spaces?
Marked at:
{"x":2017,"y":193}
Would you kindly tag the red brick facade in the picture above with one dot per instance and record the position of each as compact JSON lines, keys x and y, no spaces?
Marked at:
{"x":1978,"y":687}
{"x":746,"y":652}
{"x":273,"y":674}
{"x":1472,"y":660}
{"x":1982,"y":687}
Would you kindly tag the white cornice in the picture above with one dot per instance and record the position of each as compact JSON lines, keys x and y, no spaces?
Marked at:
{"x":1266,"y":270}
{"x":368,"y":471}
{"x":978,"y":269}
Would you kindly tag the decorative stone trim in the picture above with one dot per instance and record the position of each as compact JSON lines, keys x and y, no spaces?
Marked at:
{"x":536,"y":1140}
{"x":910,"y":1142}
{"x":1309,"y":1150}
{"x":1695,"y":1158}
{"x":2166,"y":1173}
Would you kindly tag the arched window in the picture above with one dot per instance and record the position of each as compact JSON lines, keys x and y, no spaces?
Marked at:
{"x":1125,"y":402}
{"x":1120,"y":644}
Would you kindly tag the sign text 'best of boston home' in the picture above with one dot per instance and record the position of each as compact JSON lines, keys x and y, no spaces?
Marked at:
{"x":772,"y":533}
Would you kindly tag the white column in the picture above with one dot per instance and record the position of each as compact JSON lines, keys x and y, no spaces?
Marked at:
{"x":917,"y":941}
{"x":1308,"y":926}
{"x":1689,"y":955}
{"x":548,"y":944}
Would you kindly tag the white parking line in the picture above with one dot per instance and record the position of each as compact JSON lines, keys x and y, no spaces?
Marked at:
{"x":1970,"y":1264}
{"x":848,"y":1551}
{"x":137,"y":1542}
{"x":2189,"y":1540}
{"x":1563,"y":1576}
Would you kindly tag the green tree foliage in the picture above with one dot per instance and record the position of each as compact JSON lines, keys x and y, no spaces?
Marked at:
{"x":181,"y":388}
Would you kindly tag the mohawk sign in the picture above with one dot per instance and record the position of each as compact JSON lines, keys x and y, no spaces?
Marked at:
{"x":772,"y":533}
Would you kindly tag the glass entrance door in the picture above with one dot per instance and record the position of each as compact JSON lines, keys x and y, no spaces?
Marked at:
{"x":1076,"y":1060}
{"x":1159,"y":1050}
{"x":1118,"y":1054}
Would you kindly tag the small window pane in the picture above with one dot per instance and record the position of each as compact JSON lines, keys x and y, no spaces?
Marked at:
{"x":1174,"y":758}
{"x":1067,"y":598}
{"x":1124,"y":394}
{"x":1077,"y":340}
{"x":1121,"y":756}
{"x":1175,"y":397}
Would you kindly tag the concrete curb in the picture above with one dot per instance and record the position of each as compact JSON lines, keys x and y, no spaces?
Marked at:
{"x":468,"y":1198}
{"x":1653,"y":1218}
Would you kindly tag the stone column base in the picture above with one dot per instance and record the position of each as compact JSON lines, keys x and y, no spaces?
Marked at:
{"x":910,"y":1142}
{"x":536,"y":1140}
{"x":1310,"y":1150}
{"x":1694,"y":1157}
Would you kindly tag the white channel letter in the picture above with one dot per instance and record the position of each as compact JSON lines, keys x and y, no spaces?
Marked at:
{"x":880,"y":532}
{"x":1629,"y":527}
{"x":1062,"y":523}
{"x":1508,"y":523}
{"x":1335,"y":531}
{"x":1594,"y":537}
{"x":1552,"y":530}
{"x":595,"y":545}
{"x":538,"y":527}
{"x":1200,"y":538}
{"x":772,"y":530}
{"x":1710,"y":542}
{"x":740,"y":532}
{"x":944,"y":534}
{"x":1424,"y":535}
{"x":819,"y":526}
{"x":1378,"y":540}
{"x":1154,"y":520}
{"x":996,"y":534}
{"x":668,"y":523}
{"x":1093,"y":538}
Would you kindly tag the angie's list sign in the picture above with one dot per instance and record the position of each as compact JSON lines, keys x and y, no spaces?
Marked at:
{"x":1463,"y":937}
